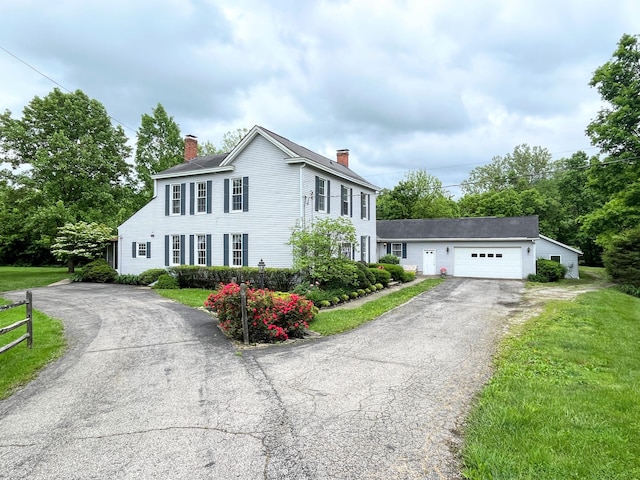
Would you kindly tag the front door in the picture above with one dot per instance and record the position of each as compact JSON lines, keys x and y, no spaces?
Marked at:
{"x":428,"y":262}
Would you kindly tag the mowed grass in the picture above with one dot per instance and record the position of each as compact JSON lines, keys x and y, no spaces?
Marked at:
{"x":564,"y":400}
{"x":20,"y":364}
{"x":192,"y":297}
{"x":19,"y":278}
{"x":337,"y":321}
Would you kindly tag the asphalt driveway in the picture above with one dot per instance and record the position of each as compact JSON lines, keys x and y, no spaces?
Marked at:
{"x":151,"y":389}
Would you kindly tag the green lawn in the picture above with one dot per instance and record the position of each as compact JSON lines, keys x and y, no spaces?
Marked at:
{"x":19,"y":278}
{"x":21,"y":364}
{"x":192,"y":297}
{"x":563,"y":403}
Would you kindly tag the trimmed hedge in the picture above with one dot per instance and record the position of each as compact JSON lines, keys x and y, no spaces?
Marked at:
{"x":98,"y":271}
{"x":381,"y":275}
{"x":398,"y":273}
{"x":278,"y":279}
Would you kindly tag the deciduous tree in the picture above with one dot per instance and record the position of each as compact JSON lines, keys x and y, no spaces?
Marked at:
{"x":80,"y":241}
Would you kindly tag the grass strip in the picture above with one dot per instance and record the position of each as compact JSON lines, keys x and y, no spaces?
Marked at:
{"x":337,"y":321}
{"x":20,"y":364}
{"x":192,"y":297}
{"x":22,"y":278}
{"x":563,"y":403}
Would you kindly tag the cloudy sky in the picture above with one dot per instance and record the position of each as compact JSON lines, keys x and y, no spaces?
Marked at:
{"x":441,"y":85}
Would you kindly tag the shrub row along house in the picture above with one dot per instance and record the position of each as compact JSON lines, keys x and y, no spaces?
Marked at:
{"x":238,"y":208}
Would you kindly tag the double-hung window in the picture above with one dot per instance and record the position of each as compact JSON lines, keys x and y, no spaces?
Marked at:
{"x":236,"y":250}
{"x":201,"y":197}
{"x":321,"y":192}
{"x":236,"y":194}
{"x":175,"y":250}
{"x":201,"y":250}
{"x":345,"y":197}
{"x":364,"y":205}
{"x":396,"y":249}
{"x":142,"y":250}
{"x":364,"y":248}
{"x":176,"y":199}
{"x":347,"y":250}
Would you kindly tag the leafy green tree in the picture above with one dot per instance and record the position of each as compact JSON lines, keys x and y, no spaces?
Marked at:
{"x":80,"y":241}
{"x":418,"y":195}
{"x":318,"y":251}
{"x":229,"y":140}
{"x":622,"y":257}
{"x":159,"y":146}
{"x":615,"y":132}
{"x":520,"y":170}
{"x":66,"y":147}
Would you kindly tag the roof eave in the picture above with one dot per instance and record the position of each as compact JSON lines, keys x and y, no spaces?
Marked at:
{"x":296,"y":160}
{"x":457,"y":239}
{"x":189,"y":173}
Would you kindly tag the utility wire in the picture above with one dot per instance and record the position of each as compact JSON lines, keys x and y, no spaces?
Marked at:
{"x":56,"y":83}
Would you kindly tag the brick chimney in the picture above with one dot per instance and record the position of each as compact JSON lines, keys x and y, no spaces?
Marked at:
{"x":343,"y":157}
{"x":190,"y":147}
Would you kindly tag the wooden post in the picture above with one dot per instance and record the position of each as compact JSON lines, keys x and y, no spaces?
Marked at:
{"x":29,"y":319}
{"x":245,"y":320}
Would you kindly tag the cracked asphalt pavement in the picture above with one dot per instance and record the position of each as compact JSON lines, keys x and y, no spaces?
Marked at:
{"x":151,"y":389}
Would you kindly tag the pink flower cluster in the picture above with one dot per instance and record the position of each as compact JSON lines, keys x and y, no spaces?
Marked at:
{"x":272,"y":317}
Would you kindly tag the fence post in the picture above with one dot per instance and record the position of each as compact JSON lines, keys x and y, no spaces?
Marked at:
{"x":29,"y":318}
{"x":245,"y":320}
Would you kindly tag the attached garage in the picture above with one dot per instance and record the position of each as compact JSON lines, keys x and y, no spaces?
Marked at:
{"x":487,"y":262}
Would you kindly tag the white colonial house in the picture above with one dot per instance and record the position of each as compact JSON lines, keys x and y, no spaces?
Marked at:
{"x":238,"y":208}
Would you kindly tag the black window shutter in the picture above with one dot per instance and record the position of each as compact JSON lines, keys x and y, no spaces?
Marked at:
{"x":182,"y":262}
{"x":192,"y":199}
{"x":226,"y":195}
{"x":245,"y":194}
{"x":368,"y":207}
{"x":208,"y":250}
{"x":133,"y":249}
{"x":245,"y":249}
{"x":166,"y":250}
{"x":209,"y":188}
{"x":183,"y":196}
{"x":362,"y":249}
{"x":388,"y":248}
{"x":362,"y":200}
{"x":404,"y":250}
{"x":191,"y":250}
{"x":167,"y":199}
{"x":148,"y":249}
{"x":317,"y":199}
{"x":225,"y":249}
{"x":328,"y":196}
{"x":368,"y":259}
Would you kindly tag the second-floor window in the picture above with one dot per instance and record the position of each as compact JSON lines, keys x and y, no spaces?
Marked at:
{"x":176,"y":199}
{"x":236,"y":194}
{"x":364,"y":205}
{"x":345,"y":197}
{"x":321,"y":192}
{"x":201,"y":197}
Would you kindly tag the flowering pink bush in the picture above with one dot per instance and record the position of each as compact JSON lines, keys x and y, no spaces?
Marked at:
{"x":271,"y":317}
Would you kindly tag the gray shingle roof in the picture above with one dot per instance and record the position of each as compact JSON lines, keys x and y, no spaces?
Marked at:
{"x":198,"y":163}
{"x":441,"y":228}
{"x":212,"y":161}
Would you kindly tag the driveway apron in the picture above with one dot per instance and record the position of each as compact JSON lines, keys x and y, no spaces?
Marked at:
{"x":150,"y":389}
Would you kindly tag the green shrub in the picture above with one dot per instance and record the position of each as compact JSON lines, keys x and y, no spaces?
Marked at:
{"x":353,"y":295}
{"x":149,"y":276}
{"x":381,"y":276}
{"x":98,"y":271}
{"x":388,"y":258}
{"x":128,"y":279}
{"x":344,"y":297}
{"x":407,"y":276}
{"x":380,"y":286}
{"x":166,"y":282}
{"x":622,"y":258}
{"x":278,"y":279}
{"x":361,"y":292}
{"x":396,"y":271}
{"x":551,"y":270}
{"x":534,"y":277}
{"x":630,"y":290}
{"x":324,"y":303}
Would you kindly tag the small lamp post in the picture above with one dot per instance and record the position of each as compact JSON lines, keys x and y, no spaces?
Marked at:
{"x":261,"y":266}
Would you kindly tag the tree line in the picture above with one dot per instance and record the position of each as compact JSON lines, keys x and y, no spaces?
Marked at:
{"x":64,"y":162}
{"x":592,"y":203}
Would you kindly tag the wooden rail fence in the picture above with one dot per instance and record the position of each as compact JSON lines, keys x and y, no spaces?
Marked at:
{"x":27,"y":321}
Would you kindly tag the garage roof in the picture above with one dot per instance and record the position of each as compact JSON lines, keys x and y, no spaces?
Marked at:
{"x":494,"y":228}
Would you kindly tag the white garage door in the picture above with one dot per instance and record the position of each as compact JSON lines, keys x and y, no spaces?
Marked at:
{"x":485,"y":262}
